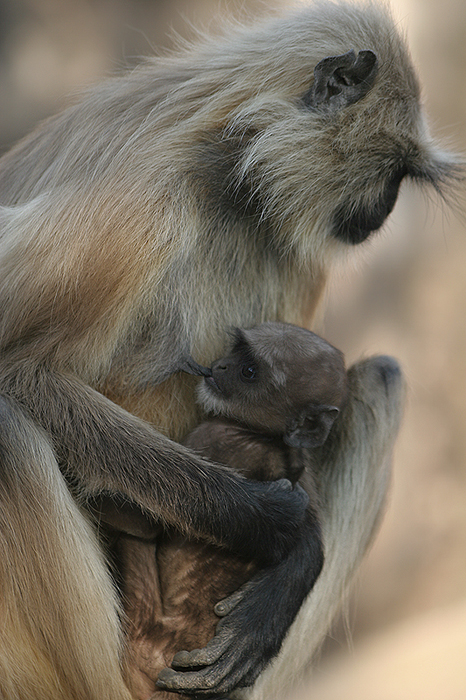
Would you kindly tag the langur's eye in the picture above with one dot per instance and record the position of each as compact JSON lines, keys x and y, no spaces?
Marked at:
{"x":248,"y":372}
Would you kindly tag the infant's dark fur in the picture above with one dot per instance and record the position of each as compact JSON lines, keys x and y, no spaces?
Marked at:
{"x":272,"y":399}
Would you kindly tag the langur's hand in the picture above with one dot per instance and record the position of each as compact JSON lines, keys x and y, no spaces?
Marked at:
{"x":255,"y":620}
{"x":275,"y":531}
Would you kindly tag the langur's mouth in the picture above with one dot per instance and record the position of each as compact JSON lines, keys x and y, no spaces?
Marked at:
{"x":212,"y":385}
{"x":353,"y":226}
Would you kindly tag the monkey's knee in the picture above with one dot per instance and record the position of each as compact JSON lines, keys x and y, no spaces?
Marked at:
{"x":388,"y":370}
{"x":380,"y":383}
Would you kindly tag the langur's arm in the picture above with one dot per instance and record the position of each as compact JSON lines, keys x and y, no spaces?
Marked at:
{"x":102,"y":448}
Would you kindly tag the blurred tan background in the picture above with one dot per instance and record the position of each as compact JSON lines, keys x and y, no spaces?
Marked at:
{"x":405,"y":295}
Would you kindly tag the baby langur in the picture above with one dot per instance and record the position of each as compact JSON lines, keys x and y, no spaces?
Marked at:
{"x":278,"y":391}
{"x":273,"y":399}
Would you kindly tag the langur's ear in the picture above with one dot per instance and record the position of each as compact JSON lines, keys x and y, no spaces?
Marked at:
{"x":340,"y":81}
{"x":311,"y":427}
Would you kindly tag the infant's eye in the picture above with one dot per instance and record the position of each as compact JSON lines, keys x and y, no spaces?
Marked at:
{"x":248,"y":372}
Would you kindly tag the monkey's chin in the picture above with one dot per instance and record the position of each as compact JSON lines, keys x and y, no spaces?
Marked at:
{"x":207,"y":398}
{"x":211,"y":384}
{"x":351,"y":232}
{"x":354,"y":226}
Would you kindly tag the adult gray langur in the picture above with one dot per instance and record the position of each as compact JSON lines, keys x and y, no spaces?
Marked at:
{"x":207,"y":189}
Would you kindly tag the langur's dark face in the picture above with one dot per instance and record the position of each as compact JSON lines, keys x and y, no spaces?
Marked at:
{"x":243,"y":386}
{"x":240,"y":376}
{"x":375,"y":154}
{"x":354,"y":224}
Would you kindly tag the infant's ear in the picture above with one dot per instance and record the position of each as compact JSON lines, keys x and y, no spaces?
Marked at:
{"x":311,"y":427}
